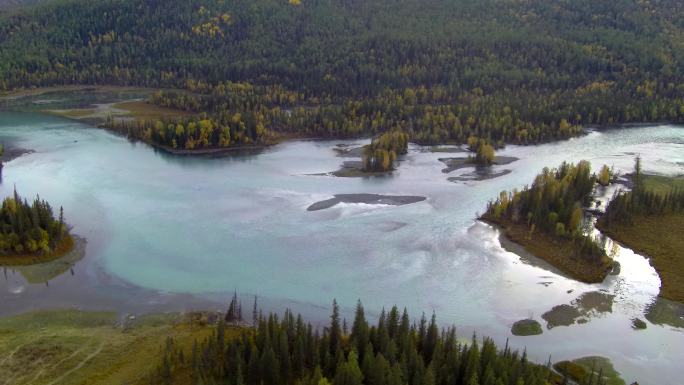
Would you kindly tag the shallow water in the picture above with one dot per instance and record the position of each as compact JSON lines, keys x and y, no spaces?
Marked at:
{"x":173,"y":233}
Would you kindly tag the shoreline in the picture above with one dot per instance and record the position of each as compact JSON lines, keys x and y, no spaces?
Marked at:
{"x":201,"y":151}
{"x":670,"y":289}
{"x":66,"y":246}
{"x":452,"y":164}
{"x":557,"y":252}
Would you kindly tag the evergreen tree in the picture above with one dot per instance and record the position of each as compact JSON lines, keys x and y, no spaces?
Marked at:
{"x":360,"y":331}
{"x":335,"y":330}
{"x":348,"y":373}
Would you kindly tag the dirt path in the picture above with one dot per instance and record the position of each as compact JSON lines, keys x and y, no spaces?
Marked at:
{"x":55,"y":365}
{"x":79,"y":365}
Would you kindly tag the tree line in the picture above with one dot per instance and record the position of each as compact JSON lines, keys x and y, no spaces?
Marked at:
{"x":430,"y":116}
{"x":625,"y":205}
{"x":30,"y":228}
{"x":554,"y":205}
{"x":394,"y":351}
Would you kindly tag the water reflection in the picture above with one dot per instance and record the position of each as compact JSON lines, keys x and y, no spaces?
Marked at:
{"x":589,"y":305}
{"x":665,"y":312}
{"x":43,"y":273}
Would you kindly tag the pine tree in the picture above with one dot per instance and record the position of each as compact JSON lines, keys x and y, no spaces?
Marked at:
{"x":255,"y":314}
{"x":270,"y":368}
{"x":348,"y":373}
{"x":360,"y":330}
{"x":335,"y":330}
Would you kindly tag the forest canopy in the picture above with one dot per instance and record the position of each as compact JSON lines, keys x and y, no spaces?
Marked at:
{"x":395,"y":351}
{"x":440,"y":70}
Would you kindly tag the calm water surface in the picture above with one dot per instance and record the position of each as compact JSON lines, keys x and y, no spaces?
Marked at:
{"x":173,"y":233}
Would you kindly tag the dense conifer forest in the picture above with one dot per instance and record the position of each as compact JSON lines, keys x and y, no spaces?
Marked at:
{"x":440,"y":70}
{"x":395,"y":351}
{"x":28,"y":229}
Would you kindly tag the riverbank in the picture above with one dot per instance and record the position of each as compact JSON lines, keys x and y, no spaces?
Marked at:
{"x":559,"y":252}
{"x":657,"y":238}
{"x":65,"y":246}
{"x":207,"y":151}
{"x":46,"y":347}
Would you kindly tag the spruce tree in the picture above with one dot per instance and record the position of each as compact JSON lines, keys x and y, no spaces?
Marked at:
{"x":360,"y":332}
{"x":335,"y":329}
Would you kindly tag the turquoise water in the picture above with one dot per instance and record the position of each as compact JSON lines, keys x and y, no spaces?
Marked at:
{"x":168,"y":233}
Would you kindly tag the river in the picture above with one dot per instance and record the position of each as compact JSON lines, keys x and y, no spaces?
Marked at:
{"x":167,"y":233}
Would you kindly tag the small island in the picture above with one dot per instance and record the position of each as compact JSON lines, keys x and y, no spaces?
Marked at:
{"x":590,"y":370}
{"x":546,"y":218}
{"x":482,"y":161}
{"x":484,"y":151}
{"x":381,"y":154}
{"x":526,"y":327}
{"x":369,"y":199}
{"x":646,"y":219}
{"x":377,"y":158}
{"x":29,"y":232}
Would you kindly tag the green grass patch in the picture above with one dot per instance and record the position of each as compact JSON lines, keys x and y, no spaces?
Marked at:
{"x":526,"y":327}
{"x":663,"y":184}
{"x":660,"y":238}
{"x":75,"y":347}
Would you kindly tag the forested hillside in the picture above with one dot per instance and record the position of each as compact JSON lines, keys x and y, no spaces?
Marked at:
{"x":441,"y":70}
